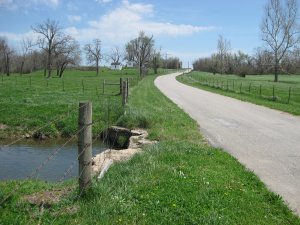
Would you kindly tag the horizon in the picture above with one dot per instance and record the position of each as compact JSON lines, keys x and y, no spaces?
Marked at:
{"x":188,"y":30}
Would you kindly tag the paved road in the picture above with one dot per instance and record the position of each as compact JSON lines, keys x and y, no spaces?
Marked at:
{"x":266,"y":141}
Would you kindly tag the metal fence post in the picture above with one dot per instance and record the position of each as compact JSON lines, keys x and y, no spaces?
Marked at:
{"x":85,"y":145}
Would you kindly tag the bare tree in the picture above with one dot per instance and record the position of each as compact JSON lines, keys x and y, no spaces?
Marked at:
{"x":115,"y":55}
{"x":93,"y":53}
{"x":50,"y":37}
{"x":140,"y":50}
{"x":6,"y":54}
{"x":279,"y":29}
{"x":68,"y":53}
{"x":26,"y":47}
{"x":223,"y":51}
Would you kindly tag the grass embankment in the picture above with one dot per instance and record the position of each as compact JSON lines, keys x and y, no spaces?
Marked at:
{"x":181,"y":180}
{"x":283,"y":95}
{"x":30,"y":101}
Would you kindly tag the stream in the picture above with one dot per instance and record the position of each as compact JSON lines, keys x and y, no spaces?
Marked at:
{"x":20,"y":160}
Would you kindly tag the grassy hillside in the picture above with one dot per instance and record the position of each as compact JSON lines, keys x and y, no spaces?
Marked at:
{"x":30,"y":101}
{"x":181,"y":180}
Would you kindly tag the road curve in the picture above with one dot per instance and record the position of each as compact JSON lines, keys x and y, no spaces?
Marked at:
{"x":266,"y":141}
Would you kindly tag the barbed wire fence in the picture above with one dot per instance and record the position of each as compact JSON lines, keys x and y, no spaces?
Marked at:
{"x":85,"y":143}
{"x":269,"y":92}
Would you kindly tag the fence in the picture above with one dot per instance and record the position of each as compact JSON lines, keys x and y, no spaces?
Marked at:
{"x":85,"y":143}
{"x":26,"y":82}
{"x":272,"y":92}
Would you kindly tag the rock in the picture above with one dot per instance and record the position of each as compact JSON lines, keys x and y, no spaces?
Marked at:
{"x":116,"y":137}
{"x":3,"y":126}
{"x":131,"y":143}
{"x":39,"y":135}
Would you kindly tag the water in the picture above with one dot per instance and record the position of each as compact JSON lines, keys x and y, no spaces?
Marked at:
{"x":20,"y":160}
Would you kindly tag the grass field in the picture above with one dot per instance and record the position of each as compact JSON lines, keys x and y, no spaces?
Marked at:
{"x":283,"y":95}
{"x":31,"y":101}
{"x":181,"y":180}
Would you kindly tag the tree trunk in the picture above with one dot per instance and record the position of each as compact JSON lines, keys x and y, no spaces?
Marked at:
{"x":45,"y":72}
{"x":62,"y":69}
{"x":276,"y":70}
{"x":21,"y":69}
{"x":97,"y":68}
{"x":7,"y":65}
{"x":140,"y":70}
{"x":49,"y":64}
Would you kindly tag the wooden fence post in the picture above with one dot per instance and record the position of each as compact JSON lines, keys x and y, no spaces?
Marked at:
{"x":85,"y":145}
{"x":82,"y":84}
{"x":289,"y":95}
{"x":260,"y":90}
{"x":103,"y":86}
{"x":121,"y":83}
{"x":124,"y":93}
{"x":127,"y":87}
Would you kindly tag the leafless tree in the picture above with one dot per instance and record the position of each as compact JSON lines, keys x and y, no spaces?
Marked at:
{"x":279,"y":29}
{"x":93,"y":53}
{"x":50,"y":37}
{"x":68,"y":53}
{"x":115,"y":55}
{"x":6,"y":54}
{"x":140,"y":50}
{"x":26,"y":48}
{"x":224,"y":47}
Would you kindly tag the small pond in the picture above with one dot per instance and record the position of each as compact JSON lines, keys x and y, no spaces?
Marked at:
{"x":20,"y":160}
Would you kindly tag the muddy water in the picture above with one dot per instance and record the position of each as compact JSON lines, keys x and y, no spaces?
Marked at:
{"x":20,"y":160}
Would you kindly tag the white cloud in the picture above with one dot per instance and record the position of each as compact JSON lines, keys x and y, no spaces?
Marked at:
{"x":74,"y":18}
{"x":124,"y":23}
{"x":104,"y":1}
{"x":16,"y":4}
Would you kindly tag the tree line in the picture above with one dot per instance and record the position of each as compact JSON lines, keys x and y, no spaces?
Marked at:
{"x":280,"y":33}
{"x":54,"y":51}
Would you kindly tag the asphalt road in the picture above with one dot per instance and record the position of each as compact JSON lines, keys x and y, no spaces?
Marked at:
{"x":266,"y":141}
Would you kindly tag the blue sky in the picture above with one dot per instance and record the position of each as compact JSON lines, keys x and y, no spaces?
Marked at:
{"x":187,"y":29}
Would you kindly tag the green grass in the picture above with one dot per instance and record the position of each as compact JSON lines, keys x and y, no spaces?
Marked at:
{"x":181,"y":180}
{"x":254,"y":88}
{"x":31,"y":101}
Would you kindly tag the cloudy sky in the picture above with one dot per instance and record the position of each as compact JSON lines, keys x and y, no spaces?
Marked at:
{"x":188,"y":29}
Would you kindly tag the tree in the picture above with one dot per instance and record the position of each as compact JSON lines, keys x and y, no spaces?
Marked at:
{"x":6,"y":54}
{"x":26,"y":46}
{"x":115,"y":55}
{"x":140,"y":50}
{"x":280,"y":30}
{"x":156,"y":59}
{"x":223,"y":51}
{"x":67,"y":53}
{"x":93,"y":53}
{"x":50,"y":37}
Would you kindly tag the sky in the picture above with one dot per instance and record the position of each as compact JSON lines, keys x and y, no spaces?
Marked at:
{"x":186,"y":29}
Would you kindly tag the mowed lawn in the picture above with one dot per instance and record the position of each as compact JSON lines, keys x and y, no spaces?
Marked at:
{"x":259,"y":89}
{"x":180,"y":180}
{"x":31,"y":101}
